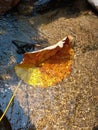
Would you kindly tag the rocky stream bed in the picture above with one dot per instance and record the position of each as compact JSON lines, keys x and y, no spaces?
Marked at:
{"x":73,"y":103}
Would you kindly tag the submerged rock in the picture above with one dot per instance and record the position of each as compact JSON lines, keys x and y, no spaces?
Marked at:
{"x":6,"y":5}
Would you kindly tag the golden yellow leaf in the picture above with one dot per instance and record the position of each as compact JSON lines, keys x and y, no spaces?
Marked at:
{"x":48,"y":66}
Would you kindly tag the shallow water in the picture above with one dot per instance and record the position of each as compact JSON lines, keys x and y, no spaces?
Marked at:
{"x":71,"y":104}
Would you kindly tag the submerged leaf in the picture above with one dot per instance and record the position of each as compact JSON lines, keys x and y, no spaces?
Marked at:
{"x":47,"y":66}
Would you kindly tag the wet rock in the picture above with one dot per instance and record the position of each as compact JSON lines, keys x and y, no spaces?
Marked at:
{"x":32,"y":7}
{"x":94,"y":3}
{"x":44,"y":5}
{"x":6,"y":5}
{"x":28,"y":7}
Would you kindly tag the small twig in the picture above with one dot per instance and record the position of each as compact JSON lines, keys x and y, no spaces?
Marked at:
{"x":7,"y":107}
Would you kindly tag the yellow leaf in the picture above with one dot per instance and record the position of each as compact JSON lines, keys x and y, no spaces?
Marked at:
{"x":48,"y":66}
